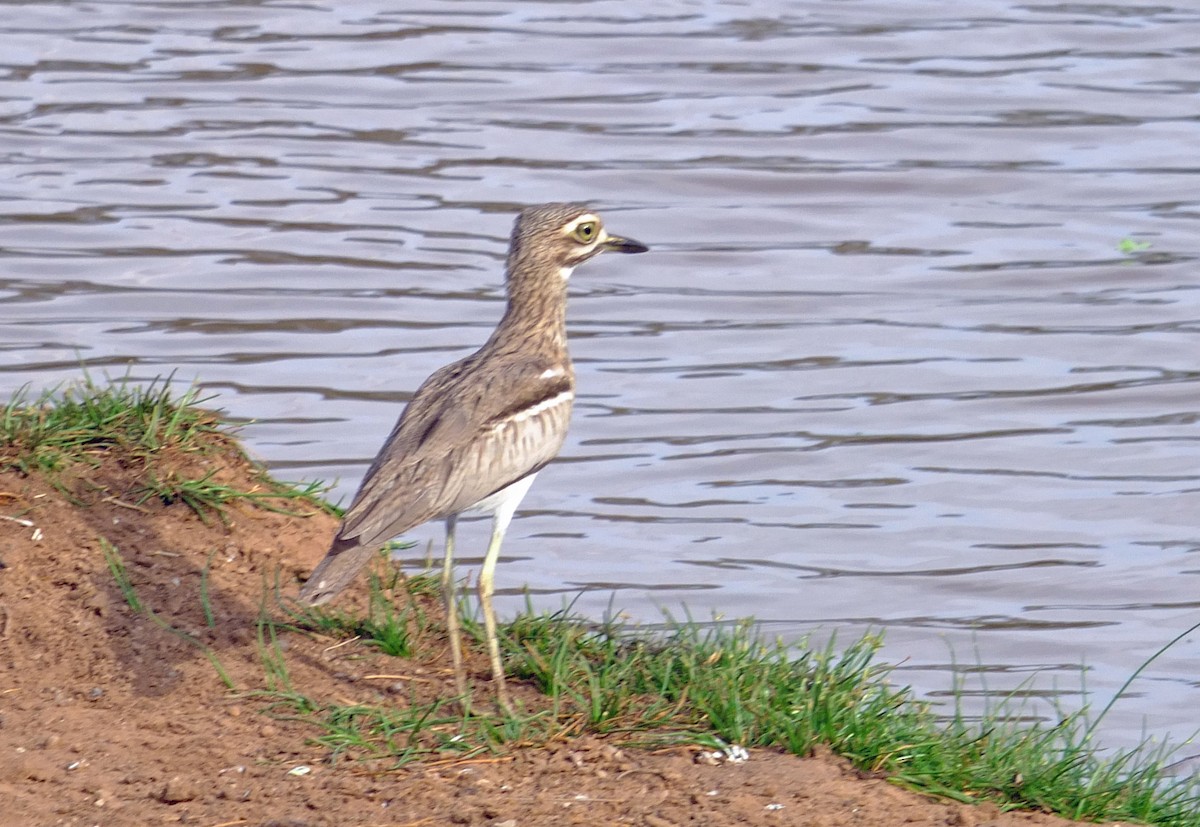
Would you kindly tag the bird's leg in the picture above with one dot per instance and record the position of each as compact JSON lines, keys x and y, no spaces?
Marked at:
{"x":487,"y":575}
{"x":450,"y":596}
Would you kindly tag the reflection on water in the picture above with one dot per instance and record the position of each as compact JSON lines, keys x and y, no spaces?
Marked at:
{"x":916,"y":348}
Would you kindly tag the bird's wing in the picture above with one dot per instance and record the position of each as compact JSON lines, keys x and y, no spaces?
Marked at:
{"x":466,"y":434}
{"x":469,"y":431}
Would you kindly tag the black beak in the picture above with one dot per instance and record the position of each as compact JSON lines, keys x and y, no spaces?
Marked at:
{"x":624,"y":245}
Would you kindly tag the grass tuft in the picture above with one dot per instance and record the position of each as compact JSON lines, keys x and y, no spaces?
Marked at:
{"x":79,"y":422}
{"x":395,"y":619}
{"x":168,"y":441}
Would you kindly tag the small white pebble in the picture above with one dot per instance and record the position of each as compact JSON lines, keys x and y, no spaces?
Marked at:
{"x":300,"y":770}
{"x":736,"y":754}
{"x":37,"y":535}
{"x":773,"y":807}
{"x":713,"y":792}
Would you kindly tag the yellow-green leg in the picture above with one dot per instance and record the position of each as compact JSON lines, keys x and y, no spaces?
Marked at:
{"x":487,"y":578}
{"x":450,"y":597}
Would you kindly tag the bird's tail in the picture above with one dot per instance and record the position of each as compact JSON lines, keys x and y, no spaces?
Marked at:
{"x":341,"y":564}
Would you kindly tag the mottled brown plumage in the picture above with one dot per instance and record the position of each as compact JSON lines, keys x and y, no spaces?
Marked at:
{"x":478,"y":430}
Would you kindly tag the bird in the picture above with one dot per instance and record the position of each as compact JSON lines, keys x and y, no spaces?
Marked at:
{"x":477,"y":432}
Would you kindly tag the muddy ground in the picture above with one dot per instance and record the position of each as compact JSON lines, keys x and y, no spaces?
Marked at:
{"x":108,"y":718}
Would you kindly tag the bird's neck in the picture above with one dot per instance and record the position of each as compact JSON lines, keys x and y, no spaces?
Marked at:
{"x":537,"y":310}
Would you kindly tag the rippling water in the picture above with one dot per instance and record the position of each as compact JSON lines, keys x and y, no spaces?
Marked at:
{"x":918,"y":346}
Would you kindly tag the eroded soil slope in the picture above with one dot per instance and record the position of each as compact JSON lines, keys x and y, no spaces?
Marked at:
{"x":109,"y":717}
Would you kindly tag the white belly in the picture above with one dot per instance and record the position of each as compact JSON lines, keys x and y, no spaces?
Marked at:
{"x":504,"y":502}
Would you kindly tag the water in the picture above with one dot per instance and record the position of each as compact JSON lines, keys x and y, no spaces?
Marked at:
{"x":916,"y":348}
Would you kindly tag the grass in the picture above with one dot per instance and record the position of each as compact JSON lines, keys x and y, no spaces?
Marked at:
{"x":73,"y":424}
{"x":395,"y":619}
{"x":722,"y":684}
{"x":66,"y":434}
{"x":717,"y":685}
{"x":750,"y":692}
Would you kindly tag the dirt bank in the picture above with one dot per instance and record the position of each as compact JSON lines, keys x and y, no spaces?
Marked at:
{"x":109,"y":717}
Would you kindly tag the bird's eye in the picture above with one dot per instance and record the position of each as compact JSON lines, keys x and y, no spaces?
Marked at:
{"x":585,"y":233}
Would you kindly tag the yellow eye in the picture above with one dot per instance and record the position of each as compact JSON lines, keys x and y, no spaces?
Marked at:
{"x":585,"y":233}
